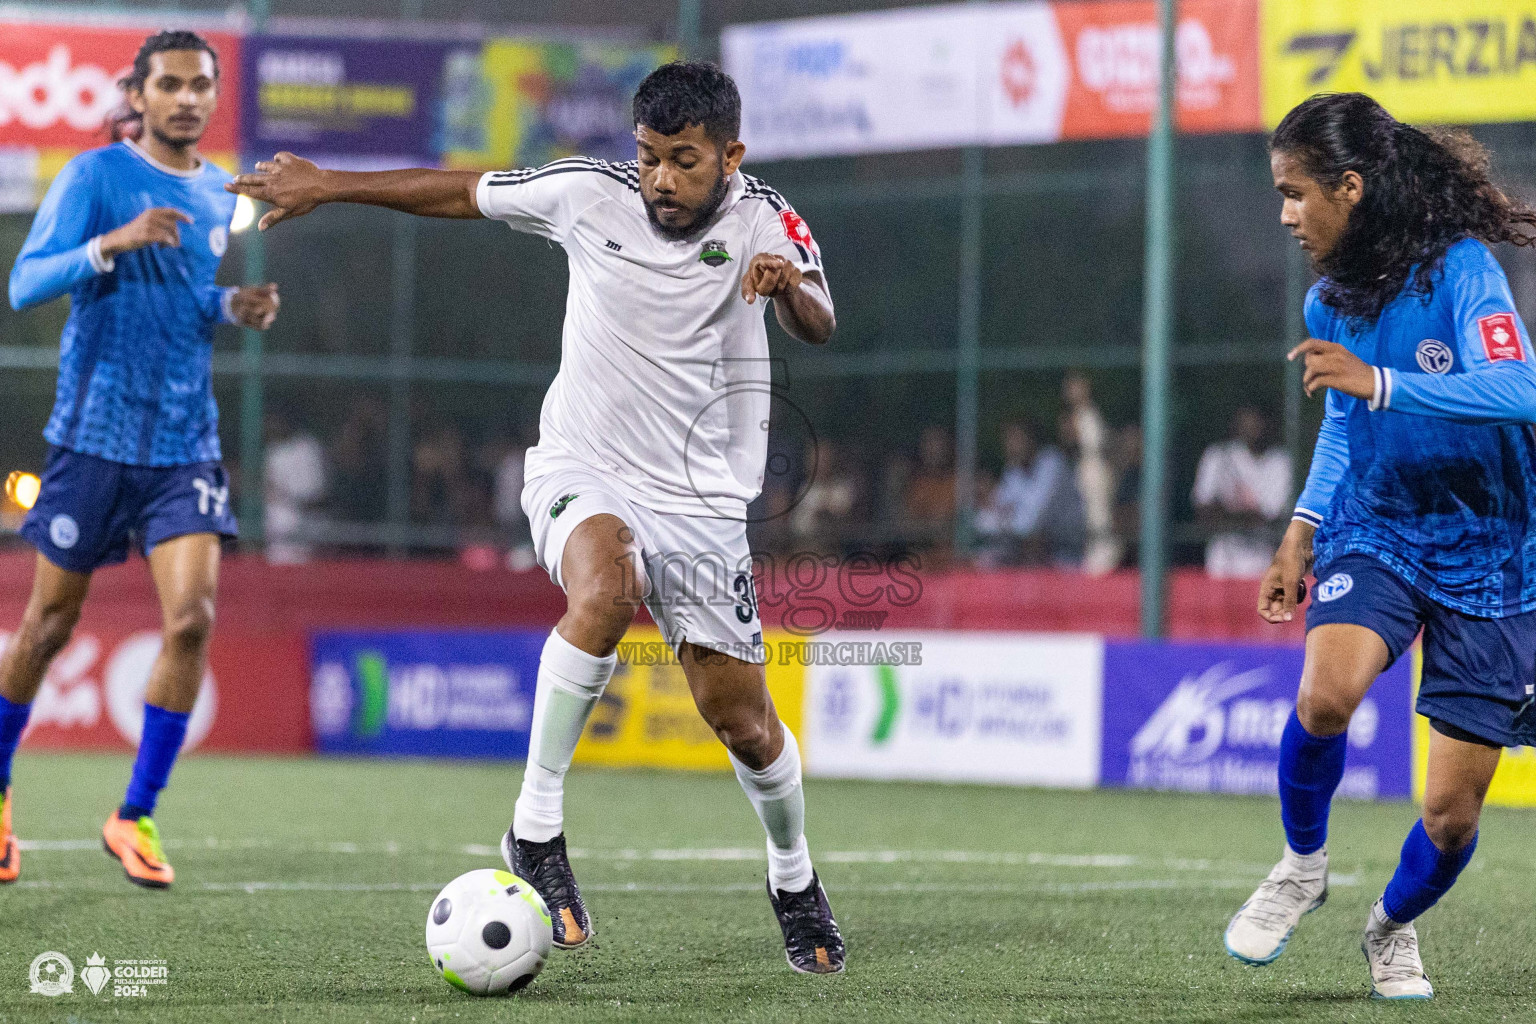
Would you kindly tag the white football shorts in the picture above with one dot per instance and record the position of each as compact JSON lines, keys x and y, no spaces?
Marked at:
{"x":698,"y":569}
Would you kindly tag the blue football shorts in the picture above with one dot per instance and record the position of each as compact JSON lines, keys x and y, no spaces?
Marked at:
{"x":1479,"y":679}
{"x":91,"y":510}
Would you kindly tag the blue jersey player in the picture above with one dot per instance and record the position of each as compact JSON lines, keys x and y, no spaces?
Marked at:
{"x":133,"y":233}
{"x":1420,"y":507}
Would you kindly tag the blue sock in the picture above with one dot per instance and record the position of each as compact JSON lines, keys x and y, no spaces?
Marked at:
{"x":1423,"y":875}
{"x":1310,"y":770}
{"x":161,"y":742}
{"x":13,"y":719}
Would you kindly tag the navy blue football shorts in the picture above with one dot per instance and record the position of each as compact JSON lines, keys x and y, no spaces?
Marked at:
{"x":91,"y":510}
{"x":1479,"y":680}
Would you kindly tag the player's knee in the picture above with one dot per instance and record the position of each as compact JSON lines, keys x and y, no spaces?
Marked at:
{"x":47,"y":627}
{"x":605,"y":611}
{"x":1450,"y":820}
{"x":1322,"y":712}
{"x":190,"y":626}
{"x":744,"y":734}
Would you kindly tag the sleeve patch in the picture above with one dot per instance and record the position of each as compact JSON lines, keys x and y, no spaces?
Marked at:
{"x":798,"y":231}
{"x":1501,"y":337}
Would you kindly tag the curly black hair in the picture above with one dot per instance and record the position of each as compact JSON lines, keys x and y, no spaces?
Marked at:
{"x":687,"y":92}
{"x":1425,"y":190}
{"x":127,"y":123}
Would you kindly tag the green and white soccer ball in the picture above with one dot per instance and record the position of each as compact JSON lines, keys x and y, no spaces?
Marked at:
{"x":489,"y":933}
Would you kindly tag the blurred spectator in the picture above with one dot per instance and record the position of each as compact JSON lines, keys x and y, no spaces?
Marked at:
{"x":441,"y":492}
{"x":1095,"y":476}
{"x":501,"y":463}
{"x":1242,"y":494}
{"x":820,"y":520}
{"x":928,"y":508}
{"x":1034,"y":514}
{"x":359,"y":492}
{"x":294,"y":481}
{"x":1126,"y":460}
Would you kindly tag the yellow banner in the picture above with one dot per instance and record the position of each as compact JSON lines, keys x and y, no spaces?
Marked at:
{"x":1434,"y":61}
{"x":1514,"y":783}
{"x":647,"y":719}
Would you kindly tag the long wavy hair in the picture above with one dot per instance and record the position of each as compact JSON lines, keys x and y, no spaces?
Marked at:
{"x":127,"y":123}
{"x":1425,"y":190}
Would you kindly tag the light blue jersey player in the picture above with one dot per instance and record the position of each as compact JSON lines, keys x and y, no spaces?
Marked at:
{"x":133,"y":233}
{"x":1420,"y":508}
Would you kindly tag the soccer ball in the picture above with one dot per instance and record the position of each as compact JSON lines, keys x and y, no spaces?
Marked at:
{"x":488,"y":933}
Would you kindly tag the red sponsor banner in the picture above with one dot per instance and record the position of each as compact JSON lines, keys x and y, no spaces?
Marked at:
{"x":255,"y":697}
{"x":1113,"y":49}
{"x":58,"y":83}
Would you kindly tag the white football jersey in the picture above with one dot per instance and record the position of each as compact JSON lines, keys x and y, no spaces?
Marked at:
{"x":664,"y":376}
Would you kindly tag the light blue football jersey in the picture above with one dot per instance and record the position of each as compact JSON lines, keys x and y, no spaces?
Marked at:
{"x":1436,"y":477}
{"x":135,"y":360}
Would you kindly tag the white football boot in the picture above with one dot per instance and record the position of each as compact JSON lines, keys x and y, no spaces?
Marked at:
{"x":1298,"y":885}
{"x":1392,"y":951}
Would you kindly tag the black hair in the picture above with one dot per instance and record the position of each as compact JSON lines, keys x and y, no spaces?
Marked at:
{"x":1425,"y":190}
{"x":687,"y":92}
{"x":127,"y":123}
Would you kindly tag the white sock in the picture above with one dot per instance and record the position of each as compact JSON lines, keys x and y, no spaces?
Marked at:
{"x":570,"y":682}
{"x":1307,"y":863}
{"x":780,"y":802}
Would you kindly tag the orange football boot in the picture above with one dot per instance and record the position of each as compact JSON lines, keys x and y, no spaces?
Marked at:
{"x":136,"y":844}
{"x":10,"y":849}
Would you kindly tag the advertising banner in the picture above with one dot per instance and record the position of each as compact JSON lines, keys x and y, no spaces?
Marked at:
{"x":253,"y":698}
{"x":647,"y":718}
{"x":1207,"y":718}
{"x":860,"y":83}
{"x":994,"y":74}
{"x":1448,"y":61}
{"x":956,"y":707}
{"x":522,"y":103}
{"x":443,"y":693}
{"x":327,"y":96}
{"x":58,"y":83}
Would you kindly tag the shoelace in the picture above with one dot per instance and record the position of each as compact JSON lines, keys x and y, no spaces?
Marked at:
{"x":1397,"y":953}
{"x":552,"y":874}
{"x":1277,"y":901}
{"x":802,"y":914}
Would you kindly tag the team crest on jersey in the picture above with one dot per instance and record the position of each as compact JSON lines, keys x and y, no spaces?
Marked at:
{"x":714,"y":253}
{"x":1335,"y":587}
{"x":559,"y":505}
{"x":218,"y":239}
{"x":63,"y":531}
{"x":1434,"y":356}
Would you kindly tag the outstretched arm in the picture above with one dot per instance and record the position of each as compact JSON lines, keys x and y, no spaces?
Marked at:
{"x":295,"y":186}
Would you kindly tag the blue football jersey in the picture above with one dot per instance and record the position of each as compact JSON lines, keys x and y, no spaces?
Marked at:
{"x":135,"y":359}
{"x":1435,"y":476}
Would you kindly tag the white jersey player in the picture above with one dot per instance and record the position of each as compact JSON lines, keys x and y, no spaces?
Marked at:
{"x":652,"y":442}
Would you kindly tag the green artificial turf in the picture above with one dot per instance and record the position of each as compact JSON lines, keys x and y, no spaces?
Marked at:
{"x":303,"y":887}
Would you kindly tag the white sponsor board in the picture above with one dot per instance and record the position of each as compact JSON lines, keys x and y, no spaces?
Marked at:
{"x":861,"y":83}
{"x":980,"y":707}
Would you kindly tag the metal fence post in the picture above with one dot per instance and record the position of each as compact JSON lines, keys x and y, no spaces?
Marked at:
{"x":1157,"y":336}
{"x":252,"y":350}
{"x":967,"y":345}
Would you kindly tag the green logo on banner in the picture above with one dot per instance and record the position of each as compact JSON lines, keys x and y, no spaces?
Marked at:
{"x":890,"y":704}
{"x":373,"y":707}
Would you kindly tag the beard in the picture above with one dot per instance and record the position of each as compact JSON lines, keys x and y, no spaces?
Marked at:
{"x":701,"y":215}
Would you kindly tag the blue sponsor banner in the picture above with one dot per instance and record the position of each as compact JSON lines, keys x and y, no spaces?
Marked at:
{"x":1207,"y":718}
{"x":448,"y":693}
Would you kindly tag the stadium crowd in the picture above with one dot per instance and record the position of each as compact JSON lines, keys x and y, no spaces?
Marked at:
{"x":1065,"y":496}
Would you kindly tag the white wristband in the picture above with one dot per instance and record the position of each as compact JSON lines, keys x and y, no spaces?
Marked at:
{"x":1381,"y":393}
{"x":227,"y":304}
{"x":100,"y":263}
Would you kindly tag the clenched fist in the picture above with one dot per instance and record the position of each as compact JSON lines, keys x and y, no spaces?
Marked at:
{"x":770,"y":276}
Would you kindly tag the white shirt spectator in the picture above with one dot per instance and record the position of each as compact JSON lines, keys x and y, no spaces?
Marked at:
{"x":295,"y":481}
{"x":1232,"y":477}
{"x":1022,"y":495}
